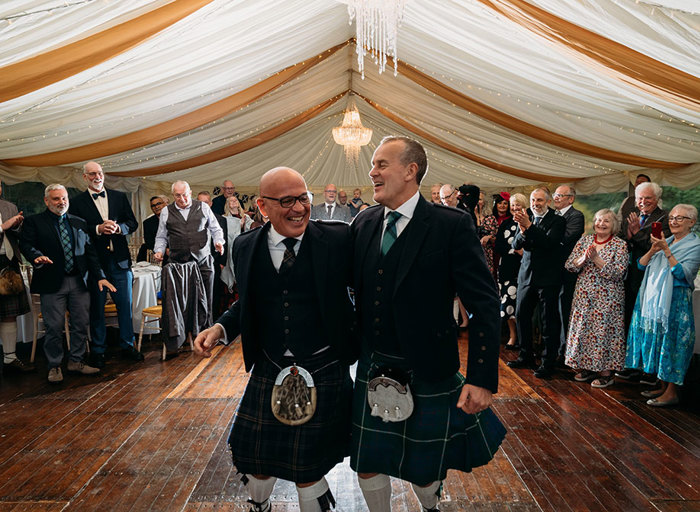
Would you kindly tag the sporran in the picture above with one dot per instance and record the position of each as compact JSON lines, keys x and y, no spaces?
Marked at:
{"x":389,"y":395}
{"x":293,"y":396}
{"x":10,"y":282}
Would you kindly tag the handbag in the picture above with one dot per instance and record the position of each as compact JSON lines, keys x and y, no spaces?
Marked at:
{"x":11,"y":282}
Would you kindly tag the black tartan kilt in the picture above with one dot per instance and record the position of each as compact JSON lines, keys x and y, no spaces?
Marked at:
{"x":262,"y":445}
{"x":435,"y":438}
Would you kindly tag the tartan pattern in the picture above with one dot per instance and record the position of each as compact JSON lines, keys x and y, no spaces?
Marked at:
{"x":65,"y":244}
{"x":261,"y":445}
{"x":12,"y":305}
{"x":436,"y":437}
{"x":390,"y":232}
{"x":289,"y":256}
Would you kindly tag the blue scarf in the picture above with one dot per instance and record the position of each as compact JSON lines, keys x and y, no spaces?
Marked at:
{"x":657,"y":286}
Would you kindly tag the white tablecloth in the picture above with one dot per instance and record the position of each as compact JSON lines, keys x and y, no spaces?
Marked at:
{"x":145,"y":290}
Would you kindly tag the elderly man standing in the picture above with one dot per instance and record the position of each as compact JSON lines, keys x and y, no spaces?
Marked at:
{"x":59,"y":247}
{"x":187,"y":227}
{"x":539,"y":280}
{"x":414,"y":414}
{"x":218,"y":204}
{"x":329,"y":209}
{"x":110,"y":219}
{"x":636,"y":230}
{"x":564,"y":197}
{"x":294,"y":318}
{"x":449,"y":196}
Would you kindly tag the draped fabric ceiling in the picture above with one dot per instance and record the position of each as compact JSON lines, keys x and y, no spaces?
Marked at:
{"x":506,"y":94}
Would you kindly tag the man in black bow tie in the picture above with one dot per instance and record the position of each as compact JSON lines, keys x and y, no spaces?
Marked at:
{"x":109,"y":218}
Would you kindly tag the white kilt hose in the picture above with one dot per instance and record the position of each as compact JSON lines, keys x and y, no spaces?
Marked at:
{"x":436,"y":437}
{"x":262,"y":445}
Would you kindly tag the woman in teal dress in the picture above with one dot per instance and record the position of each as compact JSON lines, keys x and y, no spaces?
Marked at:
{"x":662,"y":331}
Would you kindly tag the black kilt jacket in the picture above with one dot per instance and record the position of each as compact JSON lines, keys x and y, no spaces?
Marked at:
{"x":441,"y":257}
{"x":331,"y":255}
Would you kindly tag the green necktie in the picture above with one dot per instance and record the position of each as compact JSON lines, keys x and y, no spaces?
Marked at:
{"x":390,"y":232}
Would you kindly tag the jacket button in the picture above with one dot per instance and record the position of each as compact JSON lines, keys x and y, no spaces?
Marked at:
{"x":479,"y":360}
{"x":285,"y":292}
{"x":481,"y":335}
{"x":286,"y":304}
{"x":483,"y":347}
{"x":286,"y":331}
{"x":380,"y":271}
{"x":376,"y":303}
{"x":379,"y":288}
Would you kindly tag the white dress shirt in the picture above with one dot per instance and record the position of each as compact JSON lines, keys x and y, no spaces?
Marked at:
{"x":217,"y":234}
{"x":406,"y":210}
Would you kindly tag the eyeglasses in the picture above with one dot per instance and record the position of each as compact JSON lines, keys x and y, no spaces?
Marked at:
{"x":557,"y":196}
{"x":448,"y":195}
{"x":330,"y":190}
{"x":156,"y":205}
{"x":677,"y":218}
{"x":289,"y":201}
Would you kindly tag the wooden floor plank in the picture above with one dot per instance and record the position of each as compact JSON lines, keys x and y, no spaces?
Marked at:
{"x":153,"y":436}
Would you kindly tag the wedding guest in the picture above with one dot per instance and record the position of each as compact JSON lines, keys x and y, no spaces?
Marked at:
{"x":595,"y":345}
{"x":662,"y":331}
{"x":487,"y":227}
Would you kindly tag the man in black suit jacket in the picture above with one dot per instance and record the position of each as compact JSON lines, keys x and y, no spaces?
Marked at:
{"x":150,"y":228}
{"x":59,"y":247}
{"x":539,"y":280}
{"x":293,"y":312}
{"x":564,"y":197}
{"x":218,"y":204}
{"x":109,"y":218}
{"x":410,"y":259}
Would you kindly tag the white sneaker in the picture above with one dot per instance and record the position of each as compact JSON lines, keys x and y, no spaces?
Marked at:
{"x":55,"y":375}
{"x":80,"y":367}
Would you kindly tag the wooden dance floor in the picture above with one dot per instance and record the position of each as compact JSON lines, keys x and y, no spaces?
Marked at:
{"x":152,"y":436}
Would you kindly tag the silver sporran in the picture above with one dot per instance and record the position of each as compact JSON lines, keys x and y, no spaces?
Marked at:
{"x":389,"y":399}
{"x":294,"y":396}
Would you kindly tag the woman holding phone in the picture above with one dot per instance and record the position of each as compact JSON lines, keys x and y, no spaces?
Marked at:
{"x":662,"y":331}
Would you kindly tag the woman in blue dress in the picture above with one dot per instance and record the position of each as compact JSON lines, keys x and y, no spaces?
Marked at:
{"x":662,"y":331}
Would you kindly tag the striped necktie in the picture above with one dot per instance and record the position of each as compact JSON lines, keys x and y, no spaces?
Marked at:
{"x":390,"y":232}
{"x":289,"y":256}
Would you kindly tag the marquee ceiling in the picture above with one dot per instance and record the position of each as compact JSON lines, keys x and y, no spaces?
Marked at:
{"x":503,"y":93}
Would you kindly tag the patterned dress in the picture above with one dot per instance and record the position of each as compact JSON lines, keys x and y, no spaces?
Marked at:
{"x":508,"y":268}
{"x":596,"y":339}
{"x":489,"y":226}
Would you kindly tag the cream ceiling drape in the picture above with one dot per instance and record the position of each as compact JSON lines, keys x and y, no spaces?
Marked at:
{"x":503,"y":93}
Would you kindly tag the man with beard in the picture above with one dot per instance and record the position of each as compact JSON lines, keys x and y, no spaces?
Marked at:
{"x":59,"y":247}
{"x":294,"y":318}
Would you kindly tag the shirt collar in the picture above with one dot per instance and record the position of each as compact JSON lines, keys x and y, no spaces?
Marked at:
{"x":185,"y":208}
{"x":407,"y":208}
{"x":277,"y":239}
{"x":564,"y":210}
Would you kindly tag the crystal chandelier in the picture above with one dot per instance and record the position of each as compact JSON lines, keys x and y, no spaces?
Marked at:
{"x":351,"y":134}
{"x":377,"y":26}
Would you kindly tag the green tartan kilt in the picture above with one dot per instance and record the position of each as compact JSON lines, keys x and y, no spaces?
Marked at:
{"x":435,"y":438}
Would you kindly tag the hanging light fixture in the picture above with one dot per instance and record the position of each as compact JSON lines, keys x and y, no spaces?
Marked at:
{"x":351,"y":134}
{"x":377,"y":26}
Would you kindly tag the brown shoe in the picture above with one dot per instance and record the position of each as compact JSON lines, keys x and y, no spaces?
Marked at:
{"x":80,"y":367}
{"x":55,"y":375}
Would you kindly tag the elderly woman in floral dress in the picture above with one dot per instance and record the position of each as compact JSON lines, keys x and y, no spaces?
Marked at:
{"x":662,"y":331}
{"x":596,"y":341}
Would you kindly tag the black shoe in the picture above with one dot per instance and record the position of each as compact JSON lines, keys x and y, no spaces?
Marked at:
{"x":544,"y":372}
{"x":97,"y":360}
{"x":629,"y":374}
{"x":521,"y":363}
{"x":171,"y":355}
{"x":18,"y":366}
{"x":132,"y":354}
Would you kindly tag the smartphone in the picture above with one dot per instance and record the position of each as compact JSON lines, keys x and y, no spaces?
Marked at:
{"x":656,"y":229}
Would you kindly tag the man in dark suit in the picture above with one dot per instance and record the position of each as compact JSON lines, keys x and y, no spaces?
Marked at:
{"x":293,"y":312}
{"x":539,"y":280}
{"x":59,"y":247}
{"x":150,"y":228}
{"x":564,"y":197}
{"x":329,"y":209}
{"x":109,"y":218}
{"x":410,"y":259}
{"x":636,"y":229}
{"x":218,"y":204}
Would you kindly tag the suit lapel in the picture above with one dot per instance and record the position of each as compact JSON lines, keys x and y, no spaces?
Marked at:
{"x":319,"y":261}
{"x":415,"y":231}
{"x":374,"y":218}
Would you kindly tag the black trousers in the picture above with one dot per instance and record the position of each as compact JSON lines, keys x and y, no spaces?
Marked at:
{"x":547,"y":297}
